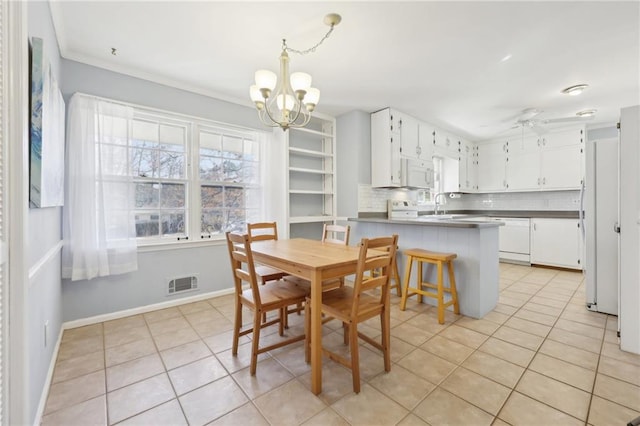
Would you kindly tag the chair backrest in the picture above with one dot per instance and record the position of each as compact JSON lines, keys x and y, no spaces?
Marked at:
{"x":337,"y":234}
{"x":386,"y":247}
{"x":242,"y":266}
{"x":261,"y":231}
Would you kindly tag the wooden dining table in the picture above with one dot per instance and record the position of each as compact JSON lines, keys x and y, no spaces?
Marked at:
{"x":315,"y":261}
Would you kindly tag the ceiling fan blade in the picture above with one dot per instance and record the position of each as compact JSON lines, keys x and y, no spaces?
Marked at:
{"x":566,"y":120}
{"x":538,"y":130}
{"x":524,"y":115}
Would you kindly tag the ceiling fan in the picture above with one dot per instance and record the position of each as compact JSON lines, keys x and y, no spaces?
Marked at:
{"x":527,"y":120}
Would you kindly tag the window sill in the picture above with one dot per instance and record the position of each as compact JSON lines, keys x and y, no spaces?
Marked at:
{"x":178,"y":245}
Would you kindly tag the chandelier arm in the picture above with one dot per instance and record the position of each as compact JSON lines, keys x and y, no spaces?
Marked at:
{"x":266,"y":110}
{"x":261,"y":116}
{"x":293,"y":120}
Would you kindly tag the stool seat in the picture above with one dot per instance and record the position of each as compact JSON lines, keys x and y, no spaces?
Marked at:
{"x":422,"y":287}
{"x":417,"y":252}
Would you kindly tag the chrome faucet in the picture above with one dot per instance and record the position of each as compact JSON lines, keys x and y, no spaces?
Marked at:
{"x":435,"y":200}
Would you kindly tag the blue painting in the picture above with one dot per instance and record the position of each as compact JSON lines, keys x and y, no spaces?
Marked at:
{"x":46,"y":178}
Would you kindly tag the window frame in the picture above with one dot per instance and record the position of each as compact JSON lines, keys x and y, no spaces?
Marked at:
{"x":193,"y":206}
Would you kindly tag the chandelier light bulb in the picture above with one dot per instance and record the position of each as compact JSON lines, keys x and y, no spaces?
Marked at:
{"x":256,"y":95}
{"x":266,"y":79}
{"x":300,"y":81}
{"x":288,"y":104}
{"x":312,"y":97}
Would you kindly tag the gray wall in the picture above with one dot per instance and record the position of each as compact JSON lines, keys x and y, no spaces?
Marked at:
{"x":44,"y":227}
{"x":353,"y":158}
{"x":146,"y":286}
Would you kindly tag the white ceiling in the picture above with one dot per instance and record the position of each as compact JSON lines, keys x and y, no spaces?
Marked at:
{"x":438,"y":61}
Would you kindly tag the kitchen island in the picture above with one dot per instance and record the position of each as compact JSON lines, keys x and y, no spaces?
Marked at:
{"x":475,"y":243}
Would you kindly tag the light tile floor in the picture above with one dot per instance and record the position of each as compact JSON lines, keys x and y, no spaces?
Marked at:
{"x":539,"y":358}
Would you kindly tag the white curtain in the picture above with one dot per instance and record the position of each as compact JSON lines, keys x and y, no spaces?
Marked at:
{"x":98,"y":223}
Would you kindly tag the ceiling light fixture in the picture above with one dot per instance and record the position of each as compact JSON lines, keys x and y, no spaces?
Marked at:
{"x":587,"y":113}
{"x":288,"y":101}
{"x":575,"y":90}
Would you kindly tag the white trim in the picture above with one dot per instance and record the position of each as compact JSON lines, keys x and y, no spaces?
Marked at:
{"x":17,"y":110}
{"x":47,"y":383}
{"x":177,"y":245}
{"x":53,"y":251}
{"x":144,"y":309}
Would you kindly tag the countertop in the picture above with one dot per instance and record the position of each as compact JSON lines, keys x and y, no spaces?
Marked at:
{"x":552,"y":214}
{"x":462,"y":221}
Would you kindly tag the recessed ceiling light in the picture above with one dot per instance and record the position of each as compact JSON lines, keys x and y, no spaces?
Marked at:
{"x":575,"y":90}
{"x":506,"y":58}
{"x":587,"y":113}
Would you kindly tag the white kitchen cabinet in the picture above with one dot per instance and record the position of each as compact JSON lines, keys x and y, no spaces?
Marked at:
{"x":385,"y":149}
{"x":311,"y":178}
{"x":467,"y":166}
{"x":515,"y":237}
{"x":491,"y":166}
{"x":554,"y":161}
{"x":409,"y":142}
{"x":556,"y":242}
{"x":523,"y":164}
{"x":445,"y":144}
{"x":425,"y":141}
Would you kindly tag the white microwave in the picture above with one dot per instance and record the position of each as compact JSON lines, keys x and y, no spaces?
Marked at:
{"x":416,"y":173}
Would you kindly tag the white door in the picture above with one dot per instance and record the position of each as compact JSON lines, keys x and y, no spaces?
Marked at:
{"x":523,"y":164}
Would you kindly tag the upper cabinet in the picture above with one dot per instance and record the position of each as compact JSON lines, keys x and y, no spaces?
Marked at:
{"x":492,"y":166}
{"x":553,"y":161}
{"x":386,"y":170}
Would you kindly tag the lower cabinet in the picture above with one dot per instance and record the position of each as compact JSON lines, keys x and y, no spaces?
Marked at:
{"x":514,"y":239}
{"x":556,"y":242}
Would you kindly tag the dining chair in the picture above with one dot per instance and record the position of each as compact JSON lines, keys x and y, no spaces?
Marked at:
{"x":263,"y":231}
{"x":353,"y":305}
{"x":260,"y":299}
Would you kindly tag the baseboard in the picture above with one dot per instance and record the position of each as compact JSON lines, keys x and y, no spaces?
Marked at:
{"x":144,"y":309}
{"x":47,"y":383}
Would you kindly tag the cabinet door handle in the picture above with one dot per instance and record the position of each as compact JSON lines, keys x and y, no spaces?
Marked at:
{"x":538,"y":181}
{"x":544,"y":141}
{"x":544,"y":181}
{"x":534,"y":227}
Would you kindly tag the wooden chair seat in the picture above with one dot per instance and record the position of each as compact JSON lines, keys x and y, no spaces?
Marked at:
{"x":267,"y":273}
{"x":339,"y":304}
{"x":275,"y":295}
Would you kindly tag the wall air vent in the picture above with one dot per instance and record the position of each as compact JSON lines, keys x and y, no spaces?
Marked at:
{"x":182,"y":284}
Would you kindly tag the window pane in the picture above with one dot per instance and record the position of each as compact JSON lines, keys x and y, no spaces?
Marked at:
{"x":147,"y":225}
{"x":251,"y":172}
{"x":210,"y":168}
{"x":212,"y":221}
{"x":234,"y":197}
{"x":211,"y":141}
{"x":171,"y":165}
{"x":236,"y":220}
{"x":232,"y":146}
{"x":172,"y":136}
{"x":144,"y":162}
{"x":117,"y":195}
{"x":147,"y":195}
{"x":233,"y":170}
{"x":251,"y":150}
{"x":211,"y":196}
{"x":146,"y":131}
{"x":173,"y":223}
{"x":253,"y":198}
{"x":172,"y":195}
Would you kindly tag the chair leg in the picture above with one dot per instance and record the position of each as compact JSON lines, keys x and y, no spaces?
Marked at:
{"x":397,"y":278}
{"x":405,"y":286}
{"x":454,"y":291}
{"x":420,"y":276}
{"x":355,"y":356}
{"x":254,"y":344}
{"x":385,"y":323}
{"x":440,"y":295}
{"x":307,"y":333}
{"x":237,"y":324}
{"x":282,"y":312}
{"x":345,"y":333}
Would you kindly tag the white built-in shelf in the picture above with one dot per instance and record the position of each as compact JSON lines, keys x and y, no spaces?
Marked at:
{"x":310,"y":153}
{"x":302,"y":170}
{"x":315,"y":132}
{"x":302,"y":191}
{"x":310,"y":219}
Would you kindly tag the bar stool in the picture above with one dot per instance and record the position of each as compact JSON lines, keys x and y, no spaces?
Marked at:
{"x":440,"y":259}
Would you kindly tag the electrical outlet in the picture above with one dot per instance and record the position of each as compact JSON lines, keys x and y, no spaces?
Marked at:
{"x":46,"y":332}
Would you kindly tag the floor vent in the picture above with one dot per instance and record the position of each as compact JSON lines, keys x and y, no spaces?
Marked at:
{"x":179,"y":285}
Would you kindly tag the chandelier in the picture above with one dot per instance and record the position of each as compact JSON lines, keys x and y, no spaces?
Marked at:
{"x":289,"y":100}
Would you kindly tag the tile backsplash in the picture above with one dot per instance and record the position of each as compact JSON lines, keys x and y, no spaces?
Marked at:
{"x":375,"y":200}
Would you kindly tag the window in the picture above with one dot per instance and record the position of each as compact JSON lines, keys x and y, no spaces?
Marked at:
{"x":191,"y":179}
{"x":229,"y":169}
